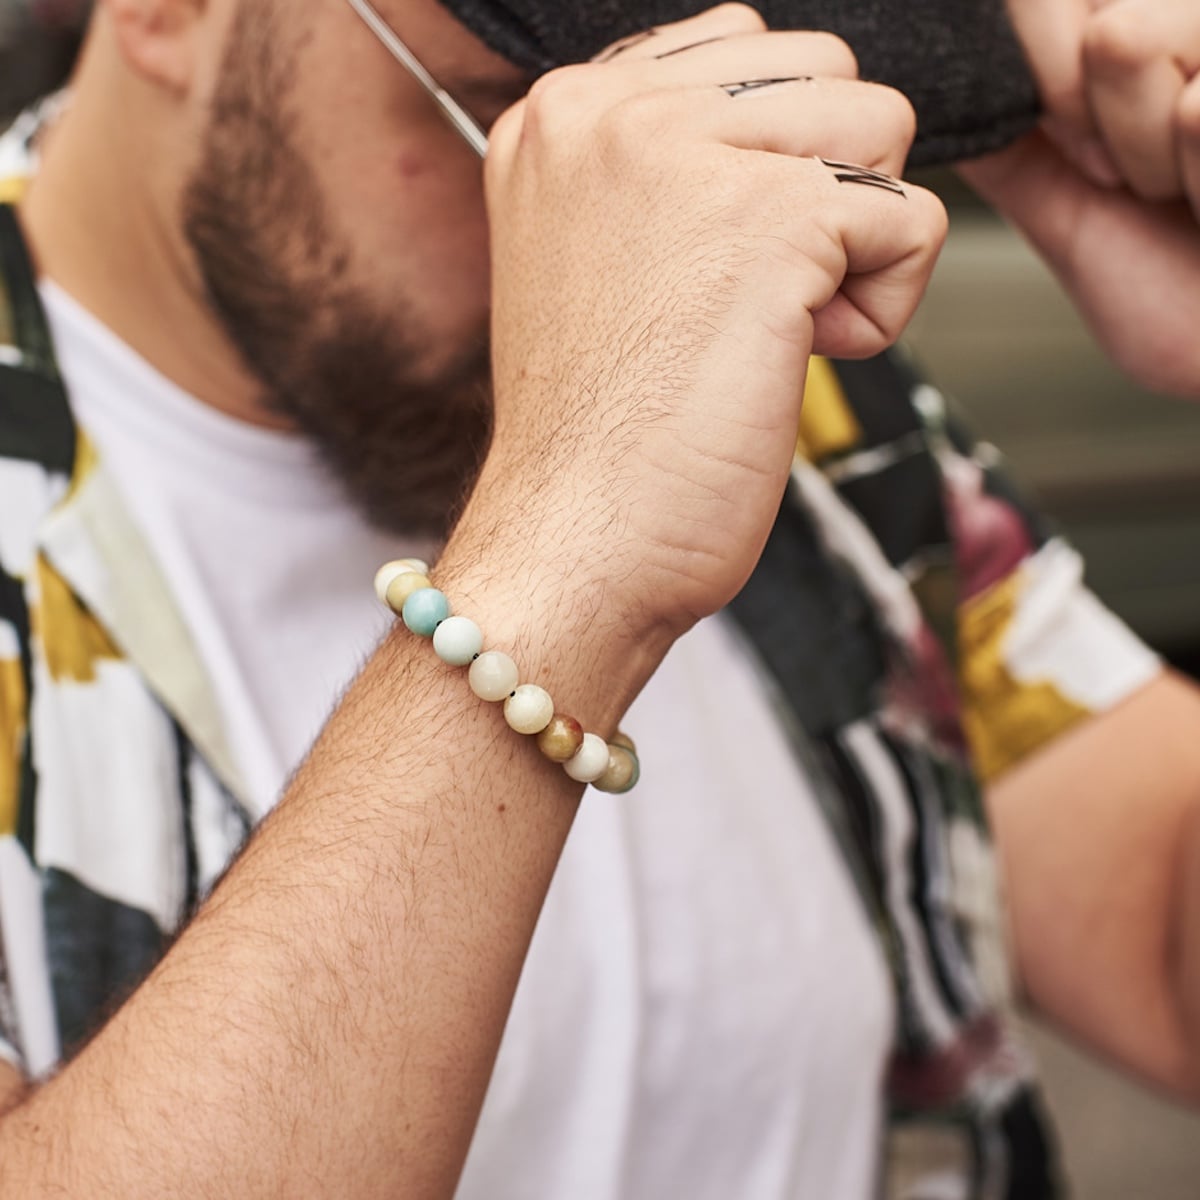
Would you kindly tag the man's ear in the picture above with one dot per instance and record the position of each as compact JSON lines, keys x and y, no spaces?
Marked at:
{"x":159,"y":39}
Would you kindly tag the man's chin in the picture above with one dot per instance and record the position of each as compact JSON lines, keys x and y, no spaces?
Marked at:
{"x":407,"y":449}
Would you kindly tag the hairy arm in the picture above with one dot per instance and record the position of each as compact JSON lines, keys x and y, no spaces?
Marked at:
{"x":1099,"y":835}
{"x":327,"y":1025}
{"x":12,"y":1087}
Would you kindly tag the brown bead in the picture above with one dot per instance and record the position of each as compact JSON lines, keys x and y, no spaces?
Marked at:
{"x":561,"y":738}
{"x":622,"y":773}
{"x":624,"y":741}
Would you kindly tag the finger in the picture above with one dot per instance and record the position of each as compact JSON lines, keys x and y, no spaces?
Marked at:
{"x":1052,"y":35}
{"x":754,"y":56}
{"x":1139,"y":57}
{"x":725,"y":20}
{"x":685,"y":55}
{"x":655,"y":104}
{"x":863,"y":123}
{"x":891,"y":246}
{"x":1162,"y":28}
{"x":1187,"y":121}
{"x":1051,"y":32}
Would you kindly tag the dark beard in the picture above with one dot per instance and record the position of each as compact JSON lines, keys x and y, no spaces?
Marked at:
{"x":406,"y":448}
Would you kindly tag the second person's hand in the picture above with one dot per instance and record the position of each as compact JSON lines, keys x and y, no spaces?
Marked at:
{"x":1120,"y":81}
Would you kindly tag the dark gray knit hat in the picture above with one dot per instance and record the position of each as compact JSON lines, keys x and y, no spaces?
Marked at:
{"x":957,"y":60}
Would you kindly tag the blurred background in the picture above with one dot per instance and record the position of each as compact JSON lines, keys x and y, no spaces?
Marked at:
{"x":38,"y":43}
{"x":1118,"y":468}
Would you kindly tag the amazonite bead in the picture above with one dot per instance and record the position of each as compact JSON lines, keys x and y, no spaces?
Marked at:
{"x":493,"y":676}
{"x":390,"y":570}
{"x":424,"y":610}
{"x":621,"y":774}
{"x":561,"y":739}
{"x":624,"y":741}
{"x":529,"y":709}
{"x":401,"y":587}
{"x":457,"y":640}
{"x":385,"y":575}
{"x":590,"y":761}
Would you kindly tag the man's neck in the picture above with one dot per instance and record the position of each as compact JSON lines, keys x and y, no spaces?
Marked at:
{"x":101,"y":226}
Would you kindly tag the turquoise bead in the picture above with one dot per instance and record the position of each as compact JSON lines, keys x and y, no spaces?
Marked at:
{"x":424,"y":610}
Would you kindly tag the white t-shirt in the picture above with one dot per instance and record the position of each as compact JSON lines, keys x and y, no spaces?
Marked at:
{"x":704,"y":1012}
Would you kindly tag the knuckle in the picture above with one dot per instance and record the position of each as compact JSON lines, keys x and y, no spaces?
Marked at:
{"x":939,"y":225}
{"x":739,"y":16}
{"x":558,"y":92}
{"x":835,"y":54}
{"x":899,"y":109}
{"x":634,"y":117}
{"x":934,"y":217}
{"x":1117,"y":39}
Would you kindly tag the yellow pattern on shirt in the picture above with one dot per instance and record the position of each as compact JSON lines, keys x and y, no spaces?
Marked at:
{"x":72,"y":640}
{"x":1005,"y":718}
{"x":12,"y":735}
{"x":12,"y":189}
{"x":828,"y":426}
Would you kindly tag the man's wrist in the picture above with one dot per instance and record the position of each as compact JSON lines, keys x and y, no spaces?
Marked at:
{"x":590,"y":647}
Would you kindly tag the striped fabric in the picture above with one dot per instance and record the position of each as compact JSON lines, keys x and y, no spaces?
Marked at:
{"x":923,"y":631}
{"x":917,"y":628}
{"x":118,"y":799}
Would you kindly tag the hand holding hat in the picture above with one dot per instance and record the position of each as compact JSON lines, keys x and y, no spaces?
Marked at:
{"x":673,"y":231}
{"x":956,"y":60}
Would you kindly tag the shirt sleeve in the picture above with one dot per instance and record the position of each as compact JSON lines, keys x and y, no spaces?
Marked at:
{"x":1038,"y":652}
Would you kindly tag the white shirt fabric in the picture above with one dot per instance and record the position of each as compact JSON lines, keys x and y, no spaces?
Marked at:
{"x":704,"y":1012}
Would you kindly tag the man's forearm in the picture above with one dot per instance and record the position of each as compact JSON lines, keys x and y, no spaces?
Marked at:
{"x":327,"y":1024}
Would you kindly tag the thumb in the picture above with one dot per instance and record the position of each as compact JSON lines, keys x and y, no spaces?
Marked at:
{"x":1051,"y":32}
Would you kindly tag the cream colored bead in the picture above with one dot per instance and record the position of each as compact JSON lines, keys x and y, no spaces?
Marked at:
{"x":386,"y":574}
{"x":398,"y":566}
{"x":591,"y":760}
{"x":457,"y":640}
{"x":493,"y":676}
{"x":402,"y":586}
{"x":529,"y":709}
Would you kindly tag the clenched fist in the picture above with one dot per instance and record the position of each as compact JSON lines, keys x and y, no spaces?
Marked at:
{"x":675,"y":228}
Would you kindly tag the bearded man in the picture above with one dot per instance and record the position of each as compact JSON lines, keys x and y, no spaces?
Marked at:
{"x":267,"y":324}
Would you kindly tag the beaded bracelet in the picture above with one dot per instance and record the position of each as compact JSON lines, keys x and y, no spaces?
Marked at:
{"x":404,"y":586}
